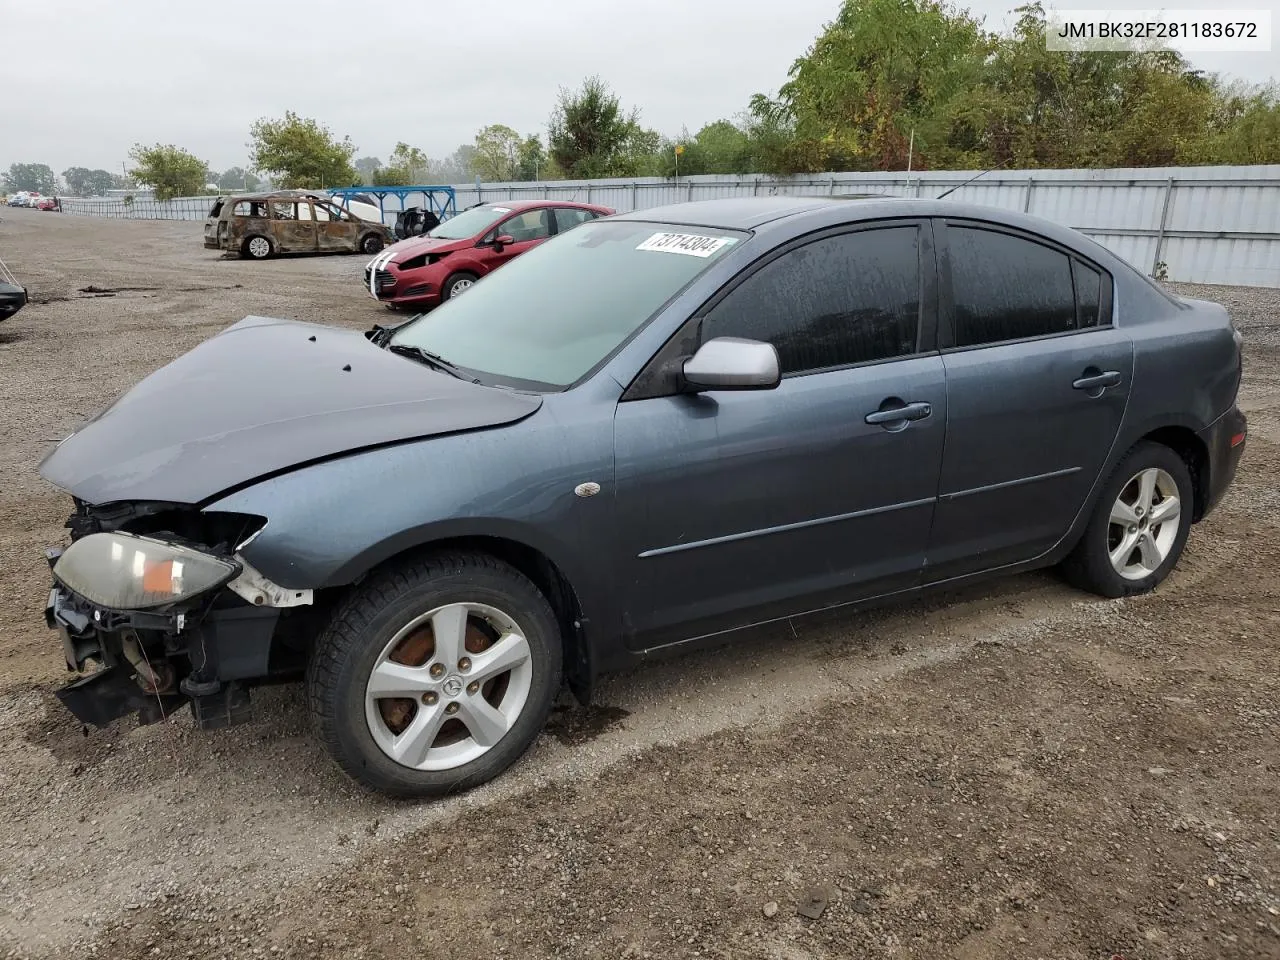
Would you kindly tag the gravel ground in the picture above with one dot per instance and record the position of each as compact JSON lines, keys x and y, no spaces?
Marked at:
{"x":1016,"y":770}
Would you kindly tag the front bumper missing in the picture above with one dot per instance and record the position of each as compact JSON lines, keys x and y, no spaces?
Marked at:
{"x":216,"y":652}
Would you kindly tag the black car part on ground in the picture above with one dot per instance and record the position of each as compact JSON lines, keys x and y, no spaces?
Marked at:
{"x":13,"y":296}
{"x":414,"y":222}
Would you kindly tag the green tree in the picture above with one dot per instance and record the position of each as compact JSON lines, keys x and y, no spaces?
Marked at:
{"x":882,"y":69}
{"x":497,"y":153}
{"x":170,"y":171}
{"x":725,"y":148}
{"x":30,"y":177}
{"x":238,"y":178}
{"x":84,"y":182}
{"x":531,"y":160}
{"x":591,"y":135}
{"x":1041,"y":108}
{"x":367,"y":167}
{"x":407,"y":167}
{"x":298,"y":152}
{"x":456,"y":167}
{"x":719,"y":147}
{"x":1244,"y":130}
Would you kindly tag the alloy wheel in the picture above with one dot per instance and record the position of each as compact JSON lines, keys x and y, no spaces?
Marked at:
{"x":448,"y":686}
{"x":459,"y":285}
{"x":1143,"y":524}
{"x":259,"y":247}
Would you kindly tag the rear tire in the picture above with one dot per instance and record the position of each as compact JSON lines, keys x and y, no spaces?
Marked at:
{"x":1139,"y":525}
{"x":470,"y":705}
{"x":456,"y":284}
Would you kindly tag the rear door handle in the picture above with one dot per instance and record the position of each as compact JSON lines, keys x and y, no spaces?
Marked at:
{"x":900,"y":414}
{"x":1098,"y":381}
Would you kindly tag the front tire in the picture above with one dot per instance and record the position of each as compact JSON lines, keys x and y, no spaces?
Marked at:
{"x":257,"y":248}
{"x":371,"y":244}
{"x":436,"y":676}
{"x":1139,"y":526}
{"x":456,"y":284}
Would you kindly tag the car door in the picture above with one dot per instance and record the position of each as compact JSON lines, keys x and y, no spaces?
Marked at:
{"x":1037,"y":382}
{"x":526,"y":229}
{"x":336,"y":231}
{"x":735,"y":507}
{"x":291,"y":232}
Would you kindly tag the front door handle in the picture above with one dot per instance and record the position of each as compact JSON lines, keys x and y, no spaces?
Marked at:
{"x":899,"y":414}
{"x":1098,"y":381}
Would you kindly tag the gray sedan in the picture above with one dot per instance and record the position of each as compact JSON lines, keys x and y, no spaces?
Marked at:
{"x":645,"y":436}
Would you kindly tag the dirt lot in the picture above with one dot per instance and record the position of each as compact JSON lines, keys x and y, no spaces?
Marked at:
{"x":1015,"y":771}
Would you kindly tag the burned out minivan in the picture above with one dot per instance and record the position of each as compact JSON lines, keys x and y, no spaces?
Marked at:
{"x":261,"y":225}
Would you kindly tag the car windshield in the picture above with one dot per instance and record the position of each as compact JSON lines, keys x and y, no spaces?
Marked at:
{"x":548,"y":317}
{"x":470,"y":222}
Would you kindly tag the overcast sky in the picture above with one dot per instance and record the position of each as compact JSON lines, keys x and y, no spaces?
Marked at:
{"x":83,"y":80}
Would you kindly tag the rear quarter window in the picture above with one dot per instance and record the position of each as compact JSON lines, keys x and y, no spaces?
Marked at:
{"x":1088,"y":294}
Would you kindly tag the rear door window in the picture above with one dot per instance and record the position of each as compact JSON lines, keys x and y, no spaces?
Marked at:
{"x":569,"y":217}
{"x":325,"y":213}
{"x":1007,"y":288}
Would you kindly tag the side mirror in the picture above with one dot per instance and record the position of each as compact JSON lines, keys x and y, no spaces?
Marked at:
{"x":732,"y":363}
{"x":503,"y":241}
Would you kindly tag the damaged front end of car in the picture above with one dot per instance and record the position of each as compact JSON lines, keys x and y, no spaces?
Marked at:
{"x":159,"y":597}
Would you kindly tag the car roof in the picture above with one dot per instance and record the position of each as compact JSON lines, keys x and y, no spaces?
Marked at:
{"x":746,"y":213}
{"x":515,"y":206}
{"x":276,"y":195}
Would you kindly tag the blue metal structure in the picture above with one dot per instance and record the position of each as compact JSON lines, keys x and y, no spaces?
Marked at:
{"x":440,"y":200}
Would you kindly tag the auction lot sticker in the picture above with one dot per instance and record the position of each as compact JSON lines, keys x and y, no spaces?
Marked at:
{"x":690,"y":244}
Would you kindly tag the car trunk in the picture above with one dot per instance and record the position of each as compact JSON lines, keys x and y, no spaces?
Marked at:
{"x":211,"y":223}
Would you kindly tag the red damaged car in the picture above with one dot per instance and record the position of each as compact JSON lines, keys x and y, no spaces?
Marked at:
{"x":427,"y":270}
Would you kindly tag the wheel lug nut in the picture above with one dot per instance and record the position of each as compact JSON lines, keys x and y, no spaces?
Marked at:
{"x":437,"y":670}
{"x":464,"y":663}
{"x":451,"y":708}
{"x":473,"y":686}
{"x":430,"y":697}
{"x":1133,"y":528}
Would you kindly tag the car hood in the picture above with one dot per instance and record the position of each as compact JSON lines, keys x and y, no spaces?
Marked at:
{"x":412,"y":246}
{"x":262,"y":397}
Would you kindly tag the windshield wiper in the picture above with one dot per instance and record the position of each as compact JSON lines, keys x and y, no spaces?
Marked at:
{"x":429,"y":358}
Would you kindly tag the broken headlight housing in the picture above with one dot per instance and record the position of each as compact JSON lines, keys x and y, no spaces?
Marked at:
{"x":121,"y":571}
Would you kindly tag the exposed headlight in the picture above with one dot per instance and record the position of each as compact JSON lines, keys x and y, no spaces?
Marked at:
{"x":121,"y":571}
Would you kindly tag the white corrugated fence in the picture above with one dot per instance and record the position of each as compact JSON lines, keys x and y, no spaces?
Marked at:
{"x":1193,"y":224}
